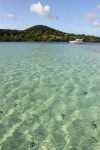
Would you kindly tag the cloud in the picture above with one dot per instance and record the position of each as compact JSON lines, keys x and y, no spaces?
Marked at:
{"x":12,"y":16}
{"x":43,"y":10}
{"x":29,"y":26}
{"x":96,"y":24}
{"x":98,"y":6}
{"x":91,"y":16}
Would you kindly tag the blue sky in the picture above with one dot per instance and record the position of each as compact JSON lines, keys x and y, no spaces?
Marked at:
{"x":73,"y":16}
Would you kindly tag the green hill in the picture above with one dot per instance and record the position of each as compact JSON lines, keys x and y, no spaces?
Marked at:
{"x":42,"y":33}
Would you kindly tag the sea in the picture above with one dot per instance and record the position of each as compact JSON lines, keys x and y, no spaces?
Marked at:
{"x":49,"y":96}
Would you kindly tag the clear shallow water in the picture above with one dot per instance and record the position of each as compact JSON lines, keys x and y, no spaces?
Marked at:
{"x":49,"y":96}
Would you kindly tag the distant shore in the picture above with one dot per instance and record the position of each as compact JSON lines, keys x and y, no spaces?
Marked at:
{"x":41,"y":33}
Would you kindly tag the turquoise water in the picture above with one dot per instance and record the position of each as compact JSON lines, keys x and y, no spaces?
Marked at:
{"x":49,"y":96}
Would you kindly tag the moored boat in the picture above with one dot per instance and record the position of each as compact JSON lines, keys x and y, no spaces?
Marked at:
{"x":77,"y":41}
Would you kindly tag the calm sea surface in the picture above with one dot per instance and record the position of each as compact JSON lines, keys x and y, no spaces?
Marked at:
{"x":49,"y":96}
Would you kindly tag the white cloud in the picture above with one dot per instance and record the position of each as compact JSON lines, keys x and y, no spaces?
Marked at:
{"x":29,"y":26}
{"x":96,"y":24}
{"x":98,"y":6}
{"x":43,"y":10}
{"x":91,"y":16}
{"x":12,"y":16}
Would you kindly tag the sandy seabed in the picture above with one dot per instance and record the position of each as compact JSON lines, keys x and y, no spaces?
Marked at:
{"x":49,"y":96}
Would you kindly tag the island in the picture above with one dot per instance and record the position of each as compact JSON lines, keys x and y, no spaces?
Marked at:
{"x":43,"y":33}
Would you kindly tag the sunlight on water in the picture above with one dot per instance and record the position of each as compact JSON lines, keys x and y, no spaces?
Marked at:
{"x":49,"y":96}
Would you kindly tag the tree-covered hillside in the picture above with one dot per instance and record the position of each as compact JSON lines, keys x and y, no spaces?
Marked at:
{"x":42,"y":33}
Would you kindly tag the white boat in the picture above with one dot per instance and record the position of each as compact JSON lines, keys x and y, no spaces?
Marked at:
{"x":77,"y":41}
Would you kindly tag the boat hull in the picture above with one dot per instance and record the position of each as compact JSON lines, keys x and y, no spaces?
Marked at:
{"x":76,"y":42}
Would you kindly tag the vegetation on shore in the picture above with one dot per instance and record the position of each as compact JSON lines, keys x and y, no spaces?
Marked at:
{"x":42,"y":33}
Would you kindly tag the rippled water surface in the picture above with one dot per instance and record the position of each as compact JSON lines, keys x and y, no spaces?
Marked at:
{"x":49,"y":96}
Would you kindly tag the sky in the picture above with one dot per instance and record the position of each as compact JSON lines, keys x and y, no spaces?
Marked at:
{"x":70,"y":16}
